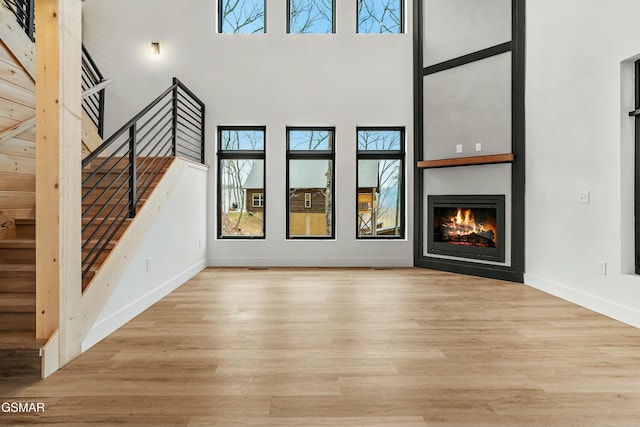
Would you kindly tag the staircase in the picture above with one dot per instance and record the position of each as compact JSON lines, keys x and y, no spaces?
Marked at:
{"x":19,"y":350}
{"x":118,"y":175}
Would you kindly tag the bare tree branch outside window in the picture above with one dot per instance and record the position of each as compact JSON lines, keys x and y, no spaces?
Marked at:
{"x":380,"y":16}
{"x":242,"y":16}
{"x":311,"y":16}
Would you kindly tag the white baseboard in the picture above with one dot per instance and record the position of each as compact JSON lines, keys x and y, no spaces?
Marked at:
{"x":107,"y":326}
{"x":310,"y":262}
{"x":611,"y":309}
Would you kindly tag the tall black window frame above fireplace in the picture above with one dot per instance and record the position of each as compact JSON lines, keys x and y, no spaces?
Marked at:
{"x":636,"y":115}
{"x":497,"y":202}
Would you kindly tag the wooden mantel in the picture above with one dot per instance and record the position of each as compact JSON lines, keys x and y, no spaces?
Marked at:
{"x":467,"y":161}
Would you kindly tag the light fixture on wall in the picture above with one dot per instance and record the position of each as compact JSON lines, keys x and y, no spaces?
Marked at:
{"x":155,"y":48}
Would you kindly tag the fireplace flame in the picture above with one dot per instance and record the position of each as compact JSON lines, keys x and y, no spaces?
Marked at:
{"x":463,"y":224}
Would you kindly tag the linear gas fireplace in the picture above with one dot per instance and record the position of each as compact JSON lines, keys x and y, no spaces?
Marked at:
{"x":467,"y":226}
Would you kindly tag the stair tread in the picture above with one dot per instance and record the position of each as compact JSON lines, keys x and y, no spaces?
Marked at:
{"x":12,"y":302}
{"x":17,"y":267}
{"x":25,"y":221}
{"x":18,"y":243}
{"x":20,"y":340}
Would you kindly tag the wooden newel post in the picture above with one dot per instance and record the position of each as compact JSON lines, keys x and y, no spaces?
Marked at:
{"x":58,"y":174}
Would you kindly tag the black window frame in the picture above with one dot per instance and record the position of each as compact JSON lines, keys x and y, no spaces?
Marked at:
{"x":333,"y":18}
{"x":402,"y":19}
{"x":636,"y":187}
{"x":220,"y":19}
{"x":241,"y":155}
{"x":312,"y":155}
{"x":385,"y":155}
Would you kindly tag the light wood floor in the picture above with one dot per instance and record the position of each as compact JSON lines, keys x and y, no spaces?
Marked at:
{"x":347,"y":347}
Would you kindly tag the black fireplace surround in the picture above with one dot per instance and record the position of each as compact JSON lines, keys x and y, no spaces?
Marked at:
{"x":467,"y":226}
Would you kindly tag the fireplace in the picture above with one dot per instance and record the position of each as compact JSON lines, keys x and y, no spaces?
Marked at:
{"x":467,"y":226}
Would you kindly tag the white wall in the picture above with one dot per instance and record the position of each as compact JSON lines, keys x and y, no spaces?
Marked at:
{"x":175,"y":245}
{"x":579,"y":137}
{"x":277,"y":80}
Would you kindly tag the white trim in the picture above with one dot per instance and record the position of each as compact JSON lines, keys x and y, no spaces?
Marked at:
{"x":309,"y":262}
{"x":105,"y":327}
{"x":611,"y":309}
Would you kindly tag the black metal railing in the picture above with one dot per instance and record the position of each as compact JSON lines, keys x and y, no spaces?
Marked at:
{"x":92,"y":104}
{"x":120,"y":173}
{"x":23,"y":11}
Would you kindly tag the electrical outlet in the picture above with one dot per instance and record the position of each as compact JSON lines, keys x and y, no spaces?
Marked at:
{"x":459,"y":148}
{"x":584,"y":197}
{"x":148,"y":264}
{"x":602,"y":267}
{"x":199,"y":242}
{"x":478,"y":146}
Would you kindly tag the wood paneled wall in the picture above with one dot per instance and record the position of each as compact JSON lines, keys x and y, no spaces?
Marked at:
{"x":17,"y":154}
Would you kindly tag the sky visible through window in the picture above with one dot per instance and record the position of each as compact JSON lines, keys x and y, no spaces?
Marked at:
{"x":242,"y":16}
{"x":311,"y":16}
{"x":310,"y":139}
{"x":380,"y":16}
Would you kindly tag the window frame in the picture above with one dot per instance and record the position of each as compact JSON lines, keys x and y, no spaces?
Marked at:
{"x":636,"y":187}
{"x":399,"y":155}
{"x":402,"y":19}
{"x":221,"y":18}
{"x":240,"y":155}
{"x":333,"y":19}
{"x":329,"y":155}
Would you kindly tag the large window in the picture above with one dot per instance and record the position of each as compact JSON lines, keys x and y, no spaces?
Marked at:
{"x":241,"y":16}
{"x":241,"y":175}
{"x":380,"y":16}
{"x":310,"y":183}
{"x":380,"y":193}
{"x":311,"y":16}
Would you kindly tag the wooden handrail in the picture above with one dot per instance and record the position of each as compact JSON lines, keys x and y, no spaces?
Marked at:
{"x":97,"y":88}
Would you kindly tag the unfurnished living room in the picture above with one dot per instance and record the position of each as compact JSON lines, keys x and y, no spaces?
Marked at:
{"x":320,"y":212}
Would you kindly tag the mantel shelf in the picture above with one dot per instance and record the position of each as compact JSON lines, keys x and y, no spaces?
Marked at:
{"x":467,"y":161}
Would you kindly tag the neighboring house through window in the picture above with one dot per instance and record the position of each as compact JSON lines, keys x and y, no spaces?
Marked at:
{"x":241,"y":176}
{"x":380,"y":193}
{"x":241,"y":16}
{"x":310,"y":183}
